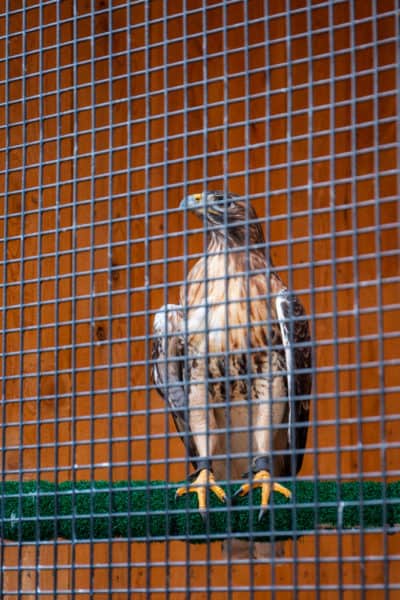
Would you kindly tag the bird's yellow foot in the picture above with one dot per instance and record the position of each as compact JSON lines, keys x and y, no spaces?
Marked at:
{"x":262,"y":479}
{"x":205,"y":479}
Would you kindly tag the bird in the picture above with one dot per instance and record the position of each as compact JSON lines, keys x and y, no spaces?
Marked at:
{"x":233,"y":362}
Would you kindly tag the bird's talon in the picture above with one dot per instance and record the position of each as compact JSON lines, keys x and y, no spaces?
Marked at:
{"x":219,"y":492}
{"x":262,"y":479}
{"x":204,"y":479}
{"x":277,"y":487}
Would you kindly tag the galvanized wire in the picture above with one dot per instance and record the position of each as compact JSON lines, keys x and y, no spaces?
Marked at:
{"x":110,"y":114}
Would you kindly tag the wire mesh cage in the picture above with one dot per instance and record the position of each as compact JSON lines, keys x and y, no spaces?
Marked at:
{"x":113,"y":113}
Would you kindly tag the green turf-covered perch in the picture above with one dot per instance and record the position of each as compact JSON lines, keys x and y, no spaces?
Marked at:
{"x":139,"y":510}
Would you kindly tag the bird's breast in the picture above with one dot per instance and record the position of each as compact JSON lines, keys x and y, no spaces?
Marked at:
{"x":220,"y":329}
{"x":207,"y":329}
{"x":227,"y":306}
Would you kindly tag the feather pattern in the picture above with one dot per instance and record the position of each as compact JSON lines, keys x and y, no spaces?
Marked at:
{"x":246,"y":344}
{"x":168,"y":369}
{"x":296,"y":342}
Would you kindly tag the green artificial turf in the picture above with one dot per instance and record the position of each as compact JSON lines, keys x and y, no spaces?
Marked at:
{"x":139,"y":510}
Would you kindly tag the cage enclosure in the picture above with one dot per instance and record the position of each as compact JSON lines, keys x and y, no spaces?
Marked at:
{"x":111,"y":113}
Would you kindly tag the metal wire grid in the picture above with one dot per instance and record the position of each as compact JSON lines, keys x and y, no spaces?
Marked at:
{"x":110,"y":114}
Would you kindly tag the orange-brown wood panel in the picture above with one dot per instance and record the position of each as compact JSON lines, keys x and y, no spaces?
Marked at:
{"x":36,"y":412}
{"x":135,"y":122}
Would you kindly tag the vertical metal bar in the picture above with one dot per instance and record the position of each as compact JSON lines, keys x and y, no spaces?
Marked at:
{"x":57,"y":277}
{"x":39,"y":268}
{"x":166,"y":276}
{"x":270,"y":297}
{"x":129,"y":294}
{"x":396,"y":61}
{"x":289,"y":193}
{"x":379,"y":294}
{"x":356,"y":287}
{"x":74,"y":283}
{"x":186,"y":255}
{"x":250,"y":376}
{"x":147,"y":258}
{"x":4,"y":292}
{"x":208,"y":279}
{"x":92,"y":283}
{"x":334,"y":295}
{"x":109,"y":334}
{"x":333,"y":256}
{"x":225,"y":187}
{"x":22,"y":323}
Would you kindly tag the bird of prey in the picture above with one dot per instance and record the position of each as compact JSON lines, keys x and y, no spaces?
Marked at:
{"x":233,"y":360}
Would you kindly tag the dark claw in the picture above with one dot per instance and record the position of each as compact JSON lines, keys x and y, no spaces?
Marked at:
{"x":261,"y":514}
{"x":237,"y":493}
{"x":204,"y":516}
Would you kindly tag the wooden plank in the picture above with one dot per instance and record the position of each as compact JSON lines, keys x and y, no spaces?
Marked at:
{"x":102,"y":247}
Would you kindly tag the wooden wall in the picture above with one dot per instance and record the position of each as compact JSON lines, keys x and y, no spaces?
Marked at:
{"x":108,"y":116}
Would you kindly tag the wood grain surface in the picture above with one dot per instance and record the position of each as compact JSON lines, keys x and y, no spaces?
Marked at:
{"x":107,"y":119}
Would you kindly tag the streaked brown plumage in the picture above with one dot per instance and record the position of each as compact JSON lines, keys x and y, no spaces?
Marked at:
{"x":247,"y":347}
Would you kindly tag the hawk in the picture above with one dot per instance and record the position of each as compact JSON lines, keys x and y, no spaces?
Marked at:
{"x":233,"y":360}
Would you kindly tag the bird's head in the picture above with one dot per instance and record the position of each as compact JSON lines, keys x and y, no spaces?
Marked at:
{"x":217,"y":207}
{"x":228,"y":215}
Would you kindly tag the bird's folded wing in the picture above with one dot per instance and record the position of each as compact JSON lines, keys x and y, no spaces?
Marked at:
{"x":170,"y":369}
{"x":296,"y":343}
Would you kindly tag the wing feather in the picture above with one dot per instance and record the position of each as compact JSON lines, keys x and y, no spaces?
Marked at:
{"x":296,"y":343}
{"x":168,"y":369}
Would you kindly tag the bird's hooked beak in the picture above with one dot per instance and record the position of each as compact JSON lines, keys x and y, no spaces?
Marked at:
{"x":195,"y":202}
